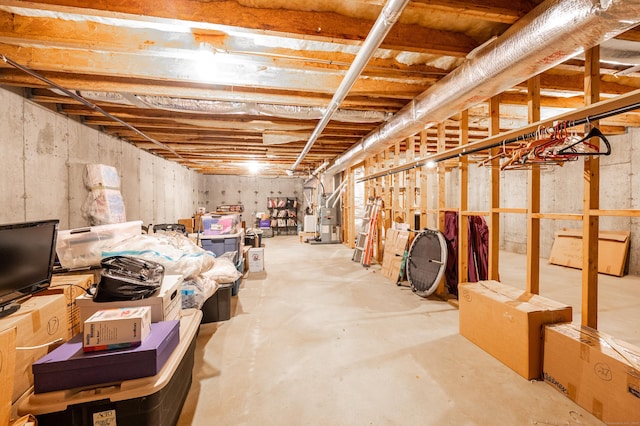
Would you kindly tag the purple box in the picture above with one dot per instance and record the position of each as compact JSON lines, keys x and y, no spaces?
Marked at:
{"x":69,"y":367}
{"x":265,"y":223}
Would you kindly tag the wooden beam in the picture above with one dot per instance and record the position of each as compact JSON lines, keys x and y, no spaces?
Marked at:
{"x":494,"y":217}
{"x":591,"y":224}
{"x":463,"y":220}
{"x":225,"y":69}
{"x":220,"y":16}
{"x":507,"y":12}
{"x":533,"y":224}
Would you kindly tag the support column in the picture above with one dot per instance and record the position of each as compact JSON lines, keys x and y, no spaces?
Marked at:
{"x":463,"y":219}
{"x":590,"y":224}
{"x":533,"y":224}
{"x":494,"y":215}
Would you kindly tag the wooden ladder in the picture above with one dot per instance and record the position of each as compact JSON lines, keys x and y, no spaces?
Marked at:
{"x":364,"y":242}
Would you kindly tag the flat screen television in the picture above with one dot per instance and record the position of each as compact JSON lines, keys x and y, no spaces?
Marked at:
{"x":27,"y":254}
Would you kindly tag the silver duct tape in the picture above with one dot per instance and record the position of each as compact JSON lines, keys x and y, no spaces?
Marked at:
{"x":553,"y":32}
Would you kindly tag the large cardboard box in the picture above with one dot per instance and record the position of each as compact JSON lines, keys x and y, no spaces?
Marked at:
{"x":40,"y":321}
{"x":7,"y":368}
{"x":165,"y":305}
{"x":507,"y":323}
{"x":613,"y":247}
{"x":598,"y":372}
{"x":71,"y":286}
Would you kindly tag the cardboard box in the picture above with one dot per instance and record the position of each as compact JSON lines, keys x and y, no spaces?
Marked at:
{"x":256,"y":259}
{"x":188,"y":223}
{"x":7,"y":369}
{"x":613,"y":248}
{"x":598,"y":372}
{"x":69,"y":366}
{"x":507,"y":323}
{"x":41,"y":320}
{"x":165,"y":305}
{"x":396,"y":245}
{"x":71,"y":287}
{"x":117,"y":328}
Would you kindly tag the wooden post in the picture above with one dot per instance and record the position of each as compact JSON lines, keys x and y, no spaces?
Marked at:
{"x":396,"y":209}
{"x":463,"y":219}
{"x":442,"y":194}
{"x":442,"y":201}
{"x":533,"y":223}
{"x":494,"y":215}
{"x":410,"y":192}
{"x":590,"y":224}
{"x":423,"y":181}
{"x":351,"y":218}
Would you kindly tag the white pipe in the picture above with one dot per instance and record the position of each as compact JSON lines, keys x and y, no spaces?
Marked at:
{"x":387,"y":18}
{"x":550,"y":34}
{"x":337,"y":191}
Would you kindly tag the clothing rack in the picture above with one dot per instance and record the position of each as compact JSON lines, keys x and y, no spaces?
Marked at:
{"x":594,"y":112}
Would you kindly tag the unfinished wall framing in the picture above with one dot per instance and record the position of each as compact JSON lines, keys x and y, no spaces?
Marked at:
{"x":524,"y":201}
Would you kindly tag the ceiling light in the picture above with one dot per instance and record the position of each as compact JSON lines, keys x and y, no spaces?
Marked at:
{"x":254,"y":167}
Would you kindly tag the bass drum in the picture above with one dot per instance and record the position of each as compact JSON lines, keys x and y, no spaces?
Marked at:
{"x":426,"y":262}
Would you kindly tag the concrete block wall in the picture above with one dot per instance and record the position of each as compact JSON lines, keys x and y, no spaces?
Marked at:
{"x":250,"y":191}
{"x":43,"y":159}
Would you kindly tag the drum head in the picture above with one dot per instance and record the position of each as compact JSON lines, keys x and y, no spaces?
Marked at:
{"x":426,"y":262}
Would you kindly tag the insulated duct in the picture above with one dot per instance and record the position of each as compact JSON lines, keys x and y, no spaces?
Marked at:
{"x":550,"y":34}
{"x":387,"y":18}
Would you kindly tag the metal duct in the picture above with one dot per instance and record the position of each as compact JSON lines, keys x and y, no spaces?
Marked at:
{"x":387,"y":18}
{"x":550,"y":34}
{"x":227,"y":108}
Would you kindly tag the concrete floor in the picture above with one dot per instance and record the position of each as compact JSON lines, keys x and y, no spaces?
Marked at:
{"x":319,"y":340}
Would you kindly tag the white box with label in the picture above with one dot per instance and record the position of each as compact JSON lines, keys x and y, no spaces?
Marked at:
{"x":165,"y":305}
{"x":116,"y":328}
{"x":256,"y":259}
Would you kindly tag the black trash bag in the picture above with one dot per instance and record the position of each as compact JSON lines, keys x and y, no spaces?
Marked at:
{"x":128,"y":278}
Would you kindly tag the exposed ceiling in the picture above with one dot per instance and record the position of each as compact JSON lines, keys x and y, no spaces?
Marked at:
{"x":215,"y":84}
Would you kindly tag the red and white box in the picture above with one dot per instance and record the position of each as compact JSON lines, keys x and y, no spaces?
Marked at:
{"x":117,"y":328}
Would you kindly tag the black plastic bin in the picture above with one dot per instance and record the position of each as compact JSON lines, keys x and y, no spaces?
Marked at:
{"x":218,"y":307}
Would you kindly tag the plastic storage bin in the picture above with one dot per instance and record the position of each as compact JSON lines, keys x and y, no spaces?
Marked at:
{"x":218,"y":306}
{"x":155,"y":400}
{"x":221,"y":244}
{"x":83,"y":247}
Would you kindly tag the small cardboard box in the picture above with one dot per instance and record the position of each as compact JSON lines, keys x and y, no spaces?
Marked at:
{"x":613,"y":248}
{"x":598,"y":372}
{"x":256,"y":259}
{"x":117,"y":328}
{"x":188,"y":223}
{"x":71,"y":287}
{"x":166,"y":304}
{"x":68,"y":366}
{"x":507,"y":323}
{"x":7,"y":369}
{"x":41,"y":320}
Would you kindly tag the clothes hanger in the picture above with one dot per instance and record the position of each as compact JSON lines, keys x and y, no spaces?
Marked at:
{"x":594,"y":132}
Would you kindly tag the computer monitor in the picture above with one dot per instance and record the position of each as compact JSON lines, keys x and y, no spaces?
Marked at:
{"x":27,"y":254}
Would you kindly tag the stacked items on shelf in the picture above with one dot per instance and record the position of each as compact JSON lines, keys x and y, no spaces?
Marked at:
{"x":284,"y":214}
